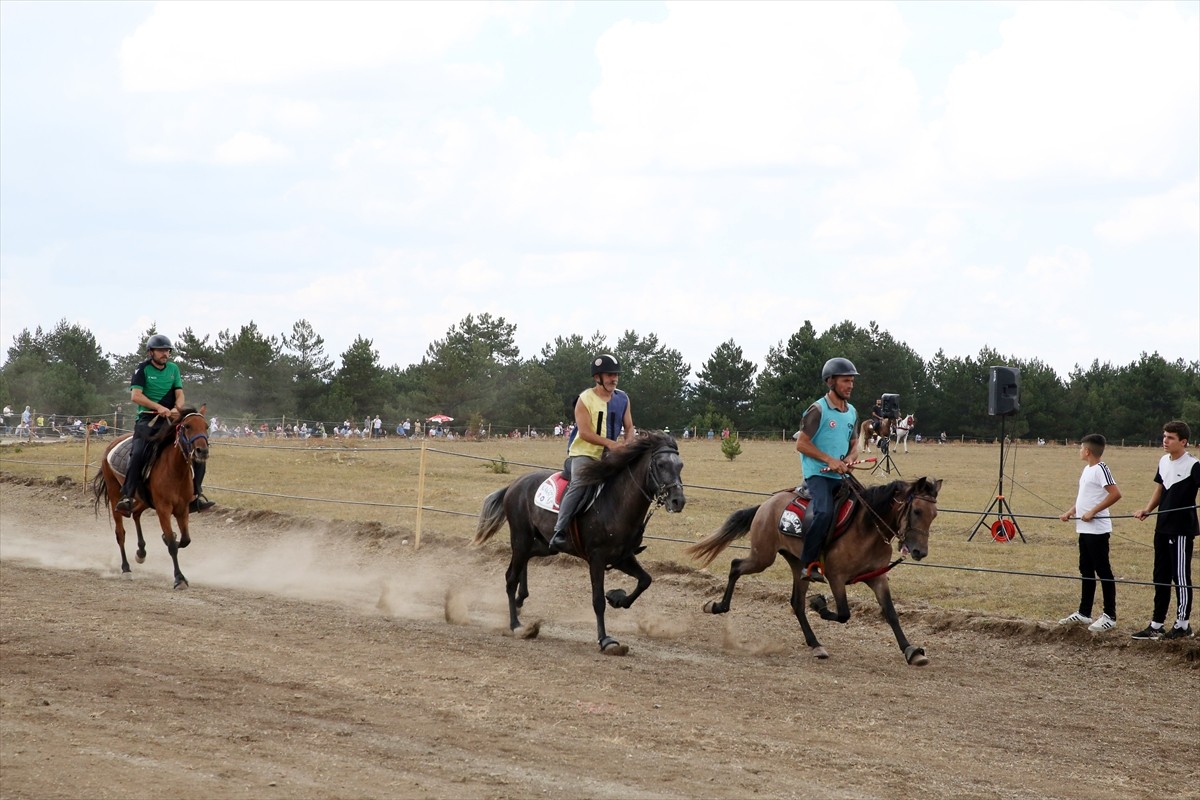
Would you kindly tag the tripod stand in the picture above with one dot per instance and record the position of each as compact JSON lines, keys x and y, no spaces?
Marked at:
{"x":1000,"y":505}
{"x":885,"y":447}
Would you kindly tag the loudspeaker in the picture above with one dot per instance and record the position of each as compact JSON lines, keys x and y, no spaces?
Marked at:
{"x":1004,"y":391}
{"x":891,"y":406}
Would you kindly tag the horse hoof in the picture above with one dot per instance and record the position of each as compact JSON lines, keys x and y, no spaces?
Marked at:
{"x":184,"y":542}
{"x":529,"y":631}
{"x":817,"y":602}
{"x":820,"y":652}
{"x":181,"y":583}
{"x":617,"y":598}
{"x":915,"y":656}
{"x":127,"y":575}
{"x":611,"y":647}
{"x":712,"y":607}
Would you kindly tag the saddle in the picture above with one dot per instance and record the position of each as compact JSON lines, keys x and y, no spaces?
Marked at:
{"x":118,"y":459}
{"x":797,"y":516}
{"x":550,"y":492}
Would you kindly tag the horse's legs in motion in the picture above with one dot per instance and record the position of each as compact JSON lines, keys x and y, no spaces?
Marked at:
{"x":137,"y":524}
{"x":750,"y":565}
{"x":516,"y":578}
{"x":617,"y":598}
{"x":164,"y":519}
{"x":913,"y":655}
{"x":608,"y":645}
{"x":799,"y":590}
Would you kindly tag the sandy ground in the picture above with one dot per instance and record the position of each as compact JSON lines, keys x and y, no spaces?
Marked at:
{"x":316,"y":661}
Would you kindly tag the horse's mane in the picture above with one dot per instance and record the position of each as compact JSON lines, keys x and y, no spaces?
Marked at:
{"x":880,"y":498}
{"x":163,"y":433}
{"x":591,"y":472}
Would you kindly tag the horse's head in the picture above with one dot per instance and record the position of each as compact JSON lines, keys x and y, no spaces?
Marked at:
{"x":663,"y":476}
{"x":191,"y":434}
{"x":917,"y":502}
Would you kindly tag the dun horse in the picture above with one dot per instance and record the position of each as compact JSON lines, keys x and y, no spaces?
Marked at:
{"x":168,"y":490}
{"x":607,"y":535}
{"x":900,"y":510}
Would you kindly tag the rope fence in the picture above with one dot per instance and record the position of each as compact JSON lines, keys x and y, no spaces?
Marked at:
{"x":419,"y":507}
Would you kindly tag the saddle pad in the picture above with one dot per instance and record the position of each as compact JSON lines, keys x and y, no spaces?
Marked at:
{"x":792,"y":518}
{"x":118,"y":457}
{"x":549,"y":494}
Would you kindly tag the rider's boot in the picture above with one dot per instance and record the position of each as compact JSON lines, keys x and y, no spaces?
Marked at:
{"x":560,"y":543}
{"x":125,"y":506}
{"x":199,"y":504}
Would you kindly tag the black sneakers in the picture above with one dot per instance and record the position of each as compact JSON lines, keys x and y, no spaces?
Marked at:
{"x":1151,"y":632}
{"x":1178,"y":633}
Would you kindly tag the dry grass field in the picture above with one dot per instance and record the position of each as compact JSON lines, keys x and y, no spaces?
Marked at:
{"x":319,"y":654}
{"x":377,"y":483}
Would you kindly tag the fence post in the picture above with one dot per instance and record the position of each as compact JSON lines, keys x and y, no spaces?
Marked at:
{"x":87,"y":441}
{"x":420,"y":494}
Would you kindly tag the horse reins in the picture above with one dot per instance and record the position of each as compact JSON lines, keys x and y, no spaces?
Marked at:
{"x":661,"y":490}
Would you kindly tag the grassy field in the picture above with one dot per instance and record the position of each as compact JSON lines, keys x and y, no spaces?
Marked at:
{"x":1039,"y":481}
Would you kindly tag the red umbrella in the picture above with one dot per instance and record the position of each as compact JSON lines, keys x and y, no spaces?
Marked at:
{"x":439,"y":418}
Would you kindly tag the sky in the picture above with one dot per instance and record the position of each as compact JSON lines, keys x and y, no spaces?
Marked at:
{"x":1018,"y":176}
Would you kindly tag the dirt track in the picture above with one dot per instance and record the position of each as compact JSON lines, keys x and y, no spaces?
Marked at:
{"x":309,"y":662}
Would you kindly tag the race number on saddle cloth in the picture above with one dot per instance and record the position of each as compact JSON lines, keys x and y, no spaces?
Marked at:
{"x":550,"y":492}
{"x":797,"y":516}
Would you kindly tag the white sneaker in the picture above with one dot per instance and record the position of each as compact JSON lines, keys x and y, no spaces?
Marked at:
{"x":1104,"y":623}
{"x":1075,"y":619}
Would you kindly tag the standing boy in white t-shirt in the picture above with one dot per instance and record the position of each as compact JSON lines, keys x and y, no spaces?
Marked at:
{"x":1097,"y":491}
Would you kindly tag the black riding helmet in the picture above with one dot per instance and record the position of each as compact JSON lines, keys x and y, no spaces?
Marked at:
{"x":159,"y":342}
{"x":838,"y":366}
{"x":605,"y":363}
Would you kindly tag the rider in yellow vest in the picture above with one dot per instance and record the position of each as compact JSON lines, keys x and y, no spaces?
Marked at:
{"x":603,"y":421}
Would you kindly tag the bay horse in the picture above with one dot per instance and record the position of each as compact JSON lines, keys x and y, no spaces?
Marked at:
{"x":900,"y":510}
{"x":168,"y":490}
{"x":867,"y":434}
{"x":607,"y":534}
{"x":904,"y":426}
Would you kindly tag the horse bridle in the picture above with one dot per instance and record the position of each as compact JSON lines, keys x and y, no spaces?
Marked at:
{"x":661,"y":490}
{"x":905,"y":514}
{"x":187,"y":444}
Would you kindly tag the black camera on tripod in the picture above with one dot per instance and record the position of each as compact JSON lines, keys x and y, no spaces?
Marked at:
{"x":891,"y":406}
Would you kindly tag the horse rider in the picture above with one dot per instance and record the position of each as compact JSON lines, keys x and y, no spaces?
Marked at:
{"x":877,"y":417}
{"x":827,"y":447}
{"x":157,"y":389}
{"x":602,"y":414}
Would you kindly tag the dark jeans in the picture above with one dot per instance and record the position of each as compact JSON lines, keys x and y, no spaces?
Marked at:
{"x":823,"y":491}
{"x":1093,"y":564}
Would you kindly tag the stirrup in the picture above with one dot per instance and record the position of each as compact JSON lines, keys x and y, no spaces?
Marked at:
{"x":814,"y":573}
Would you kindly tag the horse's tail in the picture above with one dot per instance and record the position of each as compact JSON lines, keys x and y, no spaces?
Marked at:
{"x":736,"y":526}
{"x":491,"y":516}
{"x":99,"y":490}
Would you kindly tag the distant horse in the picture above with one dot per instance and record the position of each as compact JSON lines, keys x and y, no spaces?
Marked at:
{"x":901,"y":510}
{"x":168,"y":490}
{"x":903,"y":426}
{"x":867,"y":434}
{"x":606,"y":535}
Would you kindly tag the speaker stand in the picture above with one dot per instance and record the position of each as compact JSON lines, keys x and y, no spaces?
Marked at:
{"x":999,"y":505}
{"x":886,"y":463}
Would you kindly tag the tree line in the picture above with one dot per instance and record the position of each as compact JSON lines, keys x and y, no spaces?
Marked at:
{"x":477,"y":375}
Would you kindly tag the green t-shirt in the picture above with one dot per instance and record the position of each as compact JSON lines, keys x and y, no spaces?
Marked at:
{"x":156,"y":383}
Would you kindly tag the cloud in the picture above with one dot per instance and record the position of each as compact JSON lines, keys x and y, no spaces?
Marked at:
{"x":770,"y":85}
{"x":249,"y":148}
{"x":1144,"y":218}
{"x":187,"y":46}
{"x":1098,"y":91}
